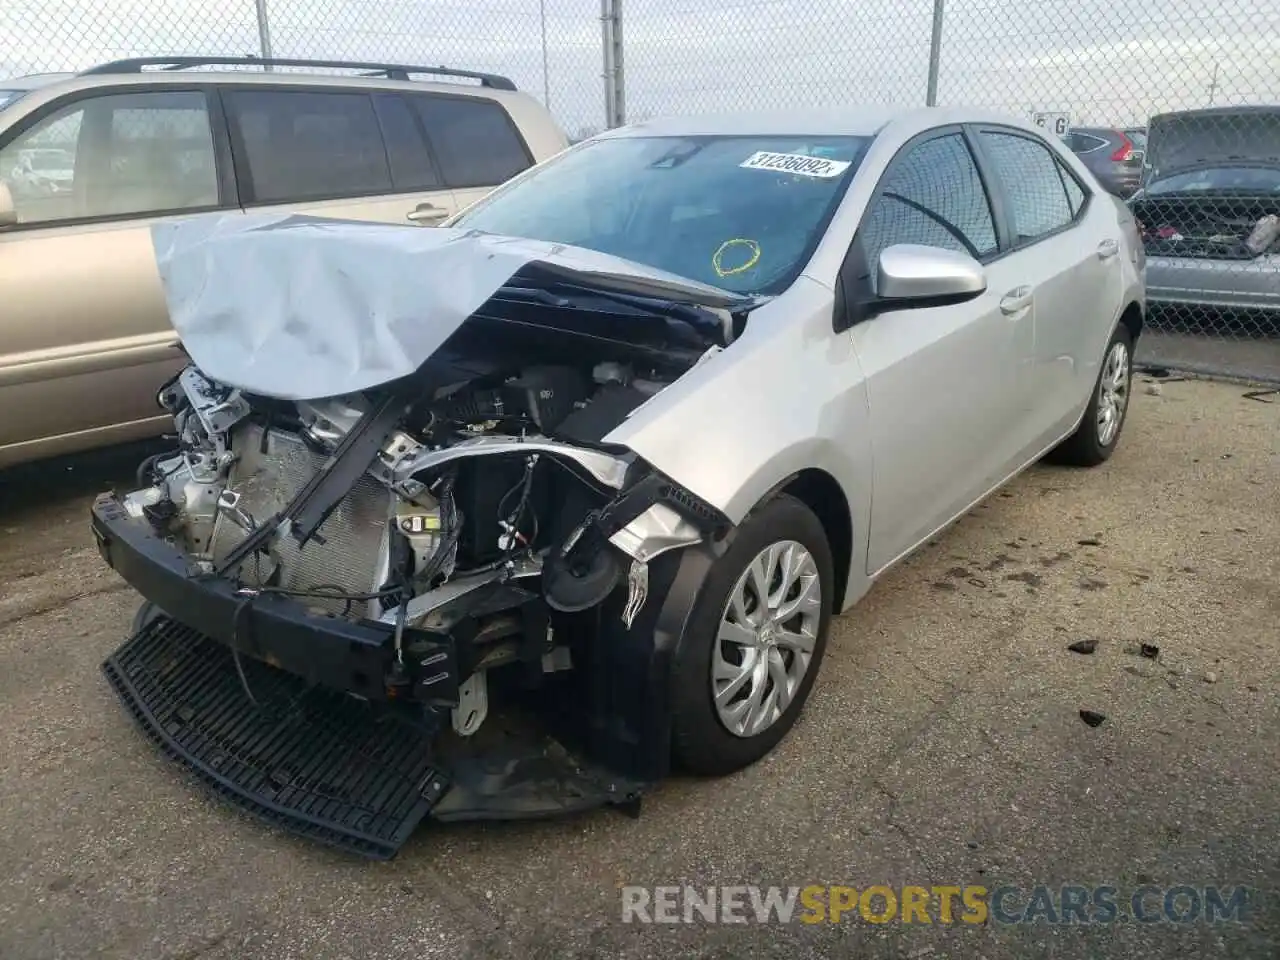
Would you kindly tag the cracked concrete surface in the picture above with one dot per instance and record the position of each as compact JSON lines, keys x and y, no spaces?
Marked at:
{"x":942,"y":745}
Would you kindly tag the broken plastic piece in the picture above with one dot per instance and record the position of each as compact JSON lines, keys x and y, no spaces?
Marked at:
{"x":1092,"y":717}
{"x":473,"y":704}
{"x":637,"y":591}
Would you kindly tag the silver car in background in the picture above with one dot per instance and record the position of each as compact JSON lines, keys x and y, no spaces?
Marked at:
{"x":1209,"y":209}
{"x":677,"y":396}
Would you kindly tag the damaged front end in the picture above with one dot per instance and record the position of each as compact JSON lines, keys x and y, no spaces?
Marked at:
{"x":457,"y":556}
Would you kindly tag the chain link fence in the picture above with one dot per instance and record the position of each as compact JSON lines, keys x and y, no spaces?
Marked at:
{"x":1169,"y":94}
{"x":550,"y":48}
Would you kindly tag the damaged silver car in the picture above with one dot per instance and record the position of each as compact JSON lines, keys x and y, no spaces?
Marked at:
{"x":502,"y":519}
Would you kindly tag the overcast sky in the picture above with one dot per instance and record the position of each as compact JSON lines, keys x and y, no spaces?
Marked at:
{"x":1102,"y":61}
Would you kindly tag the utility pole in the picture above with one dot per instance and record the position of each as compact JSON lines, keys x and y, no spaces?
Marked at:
{"x":1213,"y":83}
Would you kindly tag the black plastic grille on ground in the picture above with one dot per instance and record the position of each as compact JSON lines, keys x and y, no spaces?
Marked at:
{"x":315,"y":762}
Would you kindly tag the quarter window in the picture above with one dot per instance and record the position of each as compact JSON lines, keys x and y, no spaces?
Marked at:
{"x":1029,"y":172}
{"x":474,"y":139}
{"x":117,"y":155}
{"x":933,"y":196}
{"x":298,"y":145}
{"x":1075,"y":195}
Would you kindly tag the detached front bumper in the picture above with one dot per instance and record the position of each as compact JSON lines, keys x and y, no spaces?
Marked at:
{"x":340,"y":654}
{"x":275,"y":733}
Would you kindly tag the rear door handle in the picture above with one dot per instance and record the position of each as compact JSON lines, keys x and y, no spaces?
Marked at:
{"x":1108,"y":249}
{"x":1015,"y":301}
{"x":427,"y":213}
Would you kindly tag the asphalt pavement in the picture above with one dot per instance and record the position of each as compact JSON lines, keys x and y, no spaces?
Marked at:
{"x":943,"y":746}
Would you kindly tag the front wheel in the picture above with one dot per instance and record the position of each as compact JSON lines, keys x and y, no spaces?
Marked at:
{"x":754,"y":641}
{"x":1095,"y":439}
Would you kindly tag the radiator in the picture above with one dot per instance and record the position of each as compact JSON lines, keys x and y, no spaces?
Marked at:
{"x":352,"y":556}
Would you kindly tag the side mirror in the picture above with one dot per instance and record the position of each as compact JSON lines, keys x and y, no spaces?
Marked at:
{"x":8,"y":212}
{"x":909,"y":276}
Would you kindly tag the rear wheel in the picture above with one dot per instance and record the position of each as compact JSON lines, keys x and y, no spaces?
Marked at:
{"x":1095,"y":439}
{"x":754,"y":642}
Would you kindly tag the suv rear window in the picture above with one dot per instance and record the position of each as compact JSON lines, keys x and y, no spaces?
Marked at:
{"x":299,"y":145}
{"x":474,"y":140}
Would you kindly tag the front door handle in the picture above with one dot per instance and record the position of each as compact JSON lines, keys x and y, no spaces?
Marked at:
{"x":1108,"y":249}
{"x":427,"y":213}
{"x":1015,"y":301}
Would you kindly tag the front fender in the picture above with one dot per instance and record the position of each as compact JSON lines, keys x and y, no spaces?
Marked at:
{"x":787,"y":396}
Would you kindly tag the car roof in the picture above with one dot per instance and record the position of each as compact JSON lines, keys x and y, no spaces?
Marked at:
{"x":33,"y":81}
{"x":51,"y":86}
{"x":868,"y":121}
{"x":1254,"y":109}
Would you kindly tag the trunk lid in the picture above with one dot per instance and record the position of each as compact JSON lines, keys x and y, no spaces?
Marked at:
{"x":1219,"y":136}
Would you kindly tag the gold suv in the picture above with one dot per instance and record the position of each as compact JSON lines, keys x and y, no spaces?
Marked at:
{"x":89,"y":161}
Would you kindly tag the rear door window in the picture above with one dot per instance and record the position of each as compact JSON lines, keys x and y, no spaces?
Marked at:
{"x":1027,"y":168}
{"x":411,"y":165}
{"x":475,"y":140}
{"x":300,"y":145}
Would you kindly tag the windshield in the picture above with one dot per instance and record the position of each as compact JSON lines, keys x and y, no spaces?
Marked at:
{"x":740,"y":213}
{"x":1250,"y":180}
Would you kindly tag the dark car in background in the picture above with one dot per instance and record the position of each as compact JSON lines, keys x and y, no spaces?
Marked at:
{"x":1209,"y":212}
{"x":1113,"y":155}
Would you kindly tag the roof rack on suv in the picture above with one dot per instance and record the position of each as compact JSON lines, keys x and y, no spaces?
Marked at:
{"x":391,"y":71}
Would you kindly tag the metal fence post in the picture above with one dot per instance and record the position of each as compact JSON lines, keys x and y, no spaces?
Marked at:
{"x":546,"y":71}
{"x":935,"y":53}
{"x":615,"y":110}
{"x":619,"y":74}
{"x":264,"y":31}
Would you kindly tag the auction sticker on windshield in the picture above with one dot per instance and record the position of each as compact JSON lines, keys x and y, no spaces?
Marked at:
{"x":797,"y":163}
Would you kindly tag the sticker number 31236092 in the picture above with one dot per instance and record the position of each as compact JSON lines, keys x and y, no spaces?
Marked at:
{"x":797,"y":163}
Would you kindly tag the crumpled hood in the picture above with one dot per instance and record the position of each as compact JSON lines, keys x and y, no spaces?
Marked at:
{"x":1219,"y":136}
{"x":303,"y":307}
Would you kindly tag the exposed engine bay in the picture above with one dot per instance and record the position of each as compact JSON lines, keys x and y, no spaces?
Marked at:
{"x":486,"y":499}
{"x":395,"y":564}
{"x":1217,"y":229}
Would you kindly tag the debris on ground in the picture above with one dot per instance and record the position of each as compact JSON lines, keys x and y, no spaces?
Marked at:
{"x":1260,"y":395}
{"x":1083,"y":646}
{"x":1092,"y":717}
{"x":1154,"y":390}
{"x":1149,"y":650}
{"x":1210,"y":677}
{"x":1140,"y":671}
{"x":1090,"y":542}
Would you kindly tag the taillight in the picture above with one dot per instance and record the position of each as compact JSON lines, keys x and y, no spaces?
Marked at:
{"x":1124,"y":151}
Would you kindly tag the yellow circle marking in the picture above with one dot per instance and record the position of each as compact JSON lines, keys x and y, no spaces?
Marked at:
{"x":717,"y":259}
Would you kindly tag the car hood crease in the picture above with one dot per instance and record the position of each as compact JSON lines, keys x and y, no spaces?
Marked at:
{"x":303,"y":307}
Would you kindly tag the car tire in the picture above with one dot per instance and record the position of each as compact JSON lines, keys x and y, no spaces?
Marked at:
{"x":1096,"y":437}
{"x":732,"y":639}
